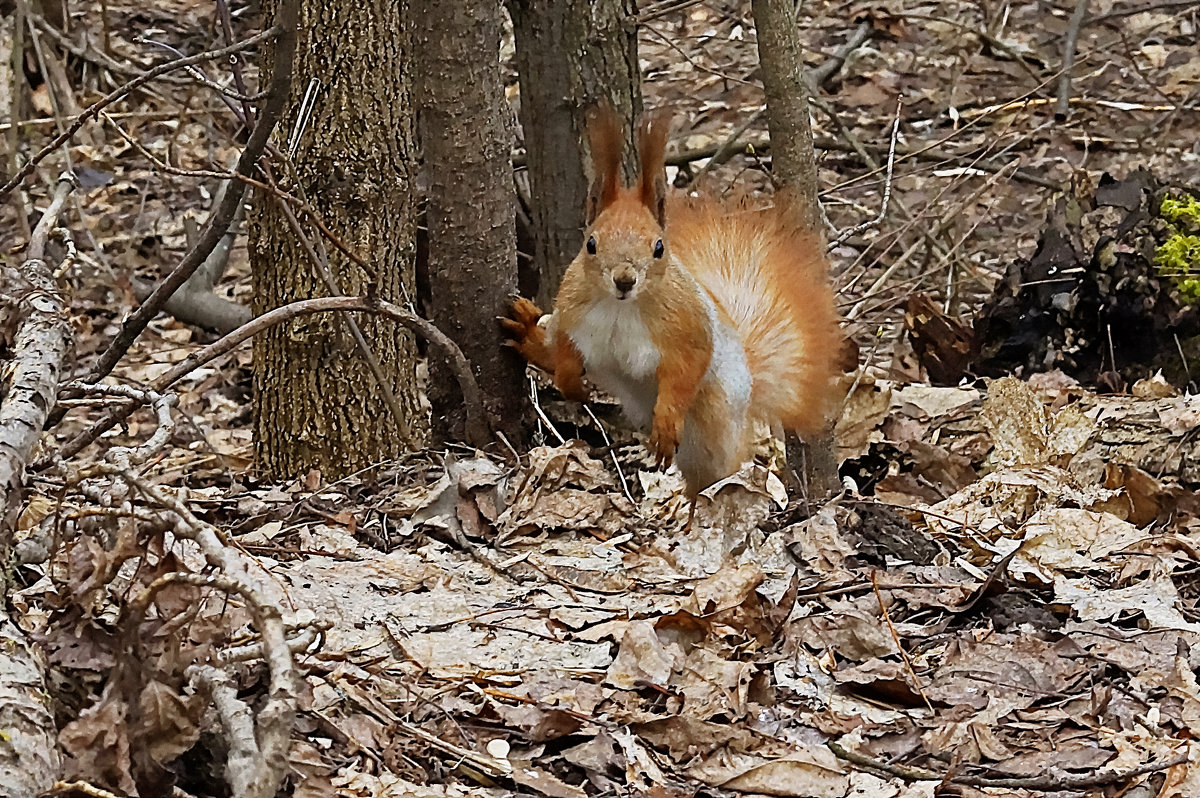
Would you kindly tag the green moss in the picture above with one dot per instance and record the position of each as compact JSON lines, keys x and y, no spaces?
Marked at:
{"x":1179,"y":256}
{"x":1182,"y":212}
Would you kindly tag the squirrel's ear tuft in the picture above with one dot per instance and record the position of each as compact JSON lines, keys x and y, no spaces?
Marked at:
{"x":652,"y":151}
{"x":607,"y":144}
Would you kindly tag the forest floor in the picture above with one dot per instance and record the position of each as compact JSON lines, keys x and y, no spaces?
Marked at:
{"x":1004,"y":604}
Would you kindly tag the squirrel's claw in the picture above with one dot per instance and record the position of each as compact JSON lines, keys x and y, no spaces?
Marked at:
{"x":664,"y":439}
{"x":521,"y":320}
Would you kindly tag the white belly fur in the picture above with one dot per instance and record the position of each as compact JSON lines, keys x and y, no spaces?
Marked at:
{"x":620,"y":357}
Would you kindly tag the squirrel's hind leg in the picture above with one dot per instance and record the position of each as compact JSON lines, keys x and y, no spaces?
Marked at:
{"x":691,"y":512}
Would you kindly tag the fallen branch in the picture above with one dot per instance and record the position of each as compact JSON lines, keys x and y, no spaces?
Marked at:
{"x":477,"y":429}
{"x":1056,"y":780}
{"x":820,"y":74}
{"x":195,"y":302}
{"x":257,"y":757}
{"x":728,"y":148}
{"x":1141,"y":7}
{"x":29,"y":758}
{"x":39,"y":348}
{"x":161,"y":404}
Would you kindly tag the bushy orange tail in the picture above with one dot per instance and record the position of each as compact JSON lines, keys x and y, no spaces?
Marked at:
{"x":771,"y":279}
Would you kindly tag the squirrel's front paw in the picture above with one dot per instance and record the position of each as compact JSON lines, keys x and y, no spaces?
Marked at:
{"x":664,"y":438}
{"x":524,"y":333}
{"x":521,"y":324}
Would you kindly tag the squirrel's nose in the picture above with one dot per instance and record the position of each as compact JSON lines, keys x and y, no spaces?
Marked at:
{"x":624,"y":283}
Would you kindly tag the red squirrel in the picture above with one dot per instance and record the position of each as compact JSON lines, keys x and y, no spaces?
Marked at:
{"x":699,"y":318}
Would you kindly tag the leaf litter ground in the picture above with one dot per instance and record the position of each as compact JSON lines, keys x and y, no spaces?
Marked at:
{"x":1016,"y":599}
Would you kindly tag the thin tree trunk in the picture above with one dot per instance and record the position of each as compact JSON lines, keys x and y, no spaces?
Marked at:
{"x":570,"y":54}
{"x":793,"y":159}
{"x":466,"y":139}
{"x":316,"y":403}
{"x":794,"y":171}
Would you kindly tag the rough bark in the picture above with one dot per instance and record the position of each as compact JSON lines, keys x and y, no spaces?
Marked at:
{"x":316,"y":402}
{"x":29,"y":758}
{"x":570,"y":55}
{"x":794,"y":170}
{"x":466,"y":140}
{"x":793,"y":159}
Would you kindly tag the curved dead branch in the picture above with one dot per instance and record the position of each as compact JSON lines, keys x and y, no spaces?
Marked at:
{"x":477,"y":428}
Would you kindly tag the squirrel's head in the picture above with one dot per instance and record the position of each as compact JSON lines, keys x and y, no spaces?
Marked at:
{"x":625,"y":246}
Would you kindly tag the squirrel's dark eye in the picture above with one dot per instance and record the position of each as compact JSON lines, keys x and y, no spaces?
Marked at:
{"x":658,"y":248}
{"x":591,"y":245}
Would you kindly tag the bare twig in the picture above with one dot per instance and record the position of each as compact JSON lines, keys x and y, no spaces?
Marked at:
{"x":541,"y":414}
{"x":973,"y":119}
{"x":887,"y":187}
{"x":887,"y":619}
{"x":88,"y":53}
{"x":12,"y":78}
{"x":1063,"y":106}
{"x":161,"y":404}
{"x":299,"y":642}
{"x":92,"y":110}
{"x":880,"y":281}
{"x":613,"y":454}
{"x":224,"y":93}
{"x":662,"y":9}
{"x":83,"y":787}
{"x":286,"y":15}
{"x":235,"y":62}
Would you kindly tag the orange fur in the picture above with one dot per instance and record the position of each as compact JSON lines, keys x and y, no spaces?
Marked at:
{"x":568,"y":369}
{"x":526,"y":336}
{"x":771,"y":278}
{"x":606,"y":144}
{"x":700,"y":317}
{"x":685,"y":348}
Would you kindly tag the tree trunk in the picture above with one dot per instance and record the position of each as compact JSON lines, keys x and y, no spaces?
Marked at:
{"x":794,"y":171}
{"x":570,"y":55}
{"x":466,"y":140}
{"x":316,"y":402}
{"x":793,"y":160}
